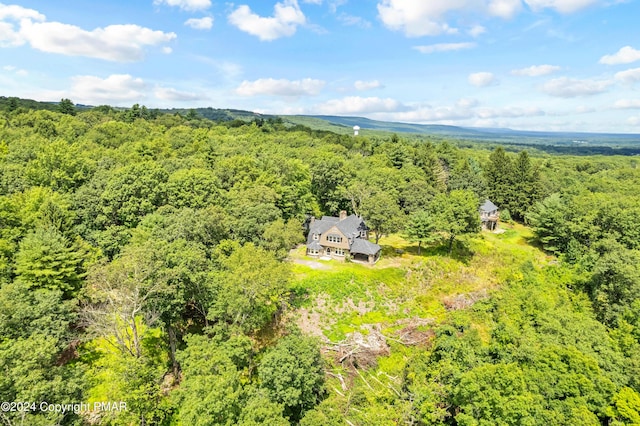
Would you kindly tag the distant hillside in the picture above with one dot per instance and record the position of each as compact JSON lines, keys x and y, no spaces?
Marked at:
{"x":477,"y":134}
{"x":219,"y":114}
{"x":10,"y":102}
{"x":368,"y":124}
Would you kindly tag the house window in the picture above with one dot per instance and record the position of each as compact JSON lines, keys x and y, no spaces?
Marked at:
{"x":363,"y":234}
{"x":313,"y":252}
{"x":315,"y":237}
{"x":334,"y":239}
{"x":339,"y":252}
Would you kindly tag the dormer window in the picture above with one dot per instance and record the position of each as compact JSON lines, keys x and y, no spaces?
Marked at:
{"x":315,"y":237}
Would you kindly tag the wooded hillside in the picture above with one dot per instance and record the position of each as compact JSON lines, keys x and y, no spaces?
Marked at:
{"x":151,"y":258}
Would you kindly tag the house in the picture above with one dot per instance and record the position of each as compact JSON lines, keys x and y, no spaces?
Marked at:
{"x":489,"y":215}
{"x":338,"y":237}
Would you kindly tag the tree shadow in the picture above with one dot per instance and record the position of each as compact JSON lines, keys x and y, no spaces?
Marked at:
{"x":460,"y":252}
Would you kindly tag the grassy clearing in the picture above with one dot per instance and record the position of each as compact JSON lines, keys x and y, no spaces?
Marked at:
{"x":340,"y":297}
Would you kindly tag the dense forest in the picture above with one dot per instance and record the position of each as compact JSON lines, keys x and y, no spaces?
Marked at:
{"x":154,"y":260}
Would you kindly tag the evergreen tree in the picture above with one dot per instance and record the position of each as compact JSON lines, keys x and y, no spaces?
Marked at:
{"x":499,"y":179}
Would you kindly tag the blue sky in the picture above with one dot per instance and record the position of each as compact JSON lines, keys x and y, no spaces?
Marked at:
{"x":561,"y":65}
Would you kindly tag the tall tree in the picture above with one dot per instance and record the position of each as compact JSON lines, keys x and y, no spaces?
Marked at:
{"x":526,"y":186}
{"x":499,"y":179}
{"x":421,"y":228}
{"x":67,"y":107}
{"x":382,"y":214}
{"x":455,"y":214}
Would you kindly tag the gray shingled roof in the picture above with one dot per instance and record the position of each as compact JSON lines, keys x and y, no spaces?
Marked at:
{"x":314,"y":245}
{"x":488,"y":206}
{"x":350,"y":226}
{"x":361,"y":246}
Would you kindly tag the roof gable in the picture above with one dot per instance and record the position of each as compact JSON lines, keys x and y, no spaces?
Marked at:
{"x":488,"y":206}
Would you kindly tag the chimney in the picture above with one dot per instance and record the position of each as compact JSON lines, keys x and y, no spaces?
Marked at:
{"x":343,"y":214}
{"x":312,"y":220}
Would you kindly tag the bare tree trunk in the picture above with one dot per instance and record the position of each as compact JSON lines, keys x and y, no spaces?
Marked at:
{"x":172,"y":351}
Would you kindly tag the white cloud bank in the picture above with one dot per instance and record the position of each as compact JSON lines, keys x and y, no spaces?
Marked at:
{"x":281,"y":87}
{"x":120,"y":43}
{"x":565,"y":87}
{"x":115,"y":89}
{"x":429,"y":18}
{"x":358,"y":105}
{"x":627,"y":104}
{"x":284,"y":22}
{"x":629,"y":76}
{"x":625,"y":55}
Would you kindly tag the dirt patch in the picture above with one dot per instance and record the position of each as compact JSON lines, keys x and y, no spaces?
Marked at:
{"x":463,"y":301}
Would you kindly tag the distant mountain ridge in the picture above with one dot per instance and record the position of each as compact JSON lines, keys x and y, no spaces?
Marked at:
{"x":344,"y":125}
{"x":487,"y":134}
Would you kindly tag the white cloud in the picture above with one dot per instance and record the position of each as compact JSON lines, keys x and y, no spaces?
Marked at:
{"x":509,"y":112}
{"x":482,"y":79}
{"x":367,"y":85}
{"x":282,"y":87}
{"x":625,"y":55}
{"x":429,"y":17}
{"x":115,"y":89}
{"x":505,"y":8}
{"x":442,"y":114}
{"x":467,"y":103}
{"x":477,"y":30}
{"x":585,"y":109}
{"x":444,"y":47}
{"x":170,"y":94}
{"x":8,"y":36}
{"x":186,"y":4}
{"x":286,"y":19}
{"x":122,"y":43}
{"x":562,"y":6}
{"x":358,"y":105}
{"x":205,"y":23}
{"x":17,"y":13}
{"x":418,"y":18}
{"x":627,"y":104}
{"x":634,"y":121}
{"x":570,"y":88}
{"x":312,"y":1}
{"x":536,"y":70}
{"x":15,"y":70}
{"x":629,"y":76}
